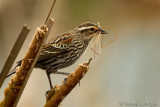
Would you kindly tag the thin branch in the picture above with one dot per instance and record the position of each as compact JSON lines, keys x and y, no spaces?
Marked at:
{"x":14,"y":52}
{"x":50,"y":11}
{"x":58,"y":93}
{"x":18,"y":82}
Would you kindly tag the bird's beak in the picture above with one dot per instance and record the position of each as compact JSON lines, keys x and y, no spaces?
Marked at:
{"x":102,"y":31}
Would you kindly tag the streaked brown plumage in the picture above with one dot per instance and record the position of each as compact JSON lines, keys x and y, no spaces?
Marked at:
{"x":65,"y":49}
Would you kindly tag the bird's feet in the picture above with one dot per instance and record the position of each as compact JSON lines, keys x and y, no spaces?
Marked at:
{"x":63,"y":73}
{"x":47,"y":92}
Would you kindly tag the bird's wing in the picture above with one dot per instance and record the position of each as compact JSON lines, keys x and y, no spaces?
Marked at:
{"x":56,"y":46}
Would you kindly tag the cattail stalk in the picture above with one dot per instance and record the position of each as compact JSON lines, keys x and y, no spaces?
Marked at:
{"x":18,"y":82}
{"x":59,"y":92}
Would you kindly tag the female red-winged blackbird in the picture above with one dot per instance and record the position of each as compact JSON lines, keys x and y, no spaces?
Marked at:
{"x":65,"y":49}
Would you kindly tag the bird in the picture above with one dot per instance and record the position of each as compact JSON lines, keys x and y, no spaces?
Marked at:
{"x":65,"y":49}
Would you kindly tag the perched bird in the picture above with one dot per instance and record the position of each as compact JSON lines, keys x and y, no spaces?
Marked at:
{"x":65,"y":49}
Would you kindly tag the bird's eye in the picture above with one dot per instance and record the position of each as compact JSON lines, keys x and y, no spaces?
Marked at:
{"x":92,"y":29}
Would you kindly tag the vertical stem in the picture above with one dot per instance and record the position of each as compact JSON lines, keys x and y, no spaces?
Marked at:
{"x":14,"y":52}
{"x":18,"y":82}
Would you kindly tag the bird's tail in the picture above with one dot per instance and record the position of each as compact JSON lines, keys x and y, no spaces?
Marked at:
{"x":14,"y":70}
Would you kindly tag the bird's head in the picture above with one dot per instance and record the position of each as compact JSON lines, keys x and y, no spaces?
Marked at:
{"x":88,"y":30}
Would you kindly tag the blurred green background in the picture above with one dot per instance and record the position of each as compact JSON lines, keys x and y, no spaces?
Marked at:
{"x":127,"y":71}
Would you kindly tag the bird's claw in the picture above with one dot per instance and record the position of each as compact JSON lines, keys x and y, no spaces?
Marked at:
{"x":47,"y":92}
